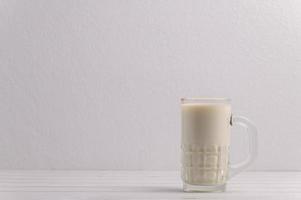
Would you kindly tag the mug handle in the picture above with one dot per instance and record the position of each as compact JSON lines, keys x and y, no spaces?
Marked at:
{"x":252,"y":137}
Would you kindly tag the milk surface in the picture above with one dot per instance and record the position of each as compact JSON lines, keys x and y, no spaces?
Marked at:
{"x":205,"y":143}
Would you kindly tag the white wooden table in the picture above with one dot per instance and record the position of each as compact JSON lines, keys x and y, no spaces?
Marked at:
{"x":103,"y":185}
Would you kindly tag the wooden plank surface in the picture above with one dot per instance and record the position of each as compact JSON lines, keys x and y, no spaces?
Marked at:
{"x":111,"y":185}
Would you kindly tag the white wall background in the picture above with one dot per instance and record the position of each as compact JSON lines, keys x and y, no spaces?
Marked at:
{"x":96,"y":84}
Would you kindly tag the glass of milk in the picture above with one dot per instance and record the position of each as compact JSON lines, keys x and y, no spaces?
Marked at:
{"x":206,"y":127}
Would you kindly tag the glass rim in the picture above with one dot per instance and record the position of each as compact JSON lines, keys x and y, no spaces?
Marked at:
{"x":185,"y":100}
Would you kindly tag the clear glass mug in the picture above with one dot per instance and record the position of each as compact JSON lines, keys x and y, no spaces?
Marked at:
{"x":206,"y":127}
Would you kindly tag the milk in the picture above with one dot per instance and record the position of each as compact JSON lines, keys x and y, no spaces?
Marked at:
{"x":205,"y":143}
